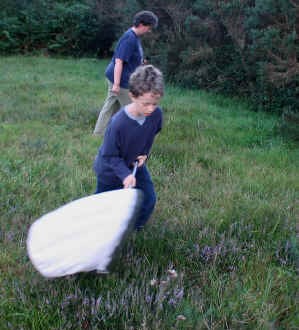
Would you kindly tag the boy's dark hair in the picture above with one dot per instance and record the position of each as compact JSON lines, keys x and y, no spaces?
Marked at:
{"x":146,"y":79}
{"x":146,"y":18}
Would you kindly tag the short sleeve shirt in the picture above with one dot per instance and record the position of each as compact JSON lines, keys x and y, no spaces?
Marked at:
{"x":129,"y":50}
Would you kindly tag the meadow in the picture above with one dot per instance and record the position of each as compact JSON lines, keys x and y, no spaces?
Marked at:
{"x":221,"y":250}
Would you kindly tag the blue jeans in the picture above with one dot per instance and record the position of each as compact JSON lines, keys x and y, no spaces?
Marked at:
{"x":144,"y":183}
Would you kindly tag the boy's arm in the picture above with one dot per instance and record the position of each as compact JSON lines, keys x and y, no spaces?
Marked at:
{"x":118,"y":68}
{"x":111,"y":153}
{"x":123,"y":54}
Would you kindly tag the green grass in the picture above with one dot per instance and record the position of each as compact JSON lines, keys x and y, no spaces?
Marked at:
{"x":226,"y":218}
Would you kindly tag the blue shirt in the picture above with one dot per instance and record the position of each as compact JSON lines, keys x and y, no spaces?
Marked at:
{"x":130,"y":51}
{"x":124,"y":140}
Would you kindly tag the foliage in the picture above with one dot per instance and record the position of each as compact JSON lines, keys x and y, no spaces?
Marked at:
{"x":243,"y":48}
{"x":237,"y":47}
{"x":289,"y":125}
{"x":273,"y":47}
{"x":60,"y":27}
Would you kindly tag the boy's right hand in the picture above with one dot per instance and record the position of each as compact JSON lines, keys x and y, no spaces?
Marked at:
{"x":129,"y":181}
{"x":115,"y":89}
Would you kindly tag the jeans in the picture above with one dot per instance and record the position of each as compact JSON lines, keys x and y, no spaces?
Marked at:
{"x":144,"y":183}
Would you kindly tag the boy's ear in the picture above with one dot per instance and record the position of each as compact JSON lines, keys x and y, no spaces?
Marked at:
{"x":131,"y":96}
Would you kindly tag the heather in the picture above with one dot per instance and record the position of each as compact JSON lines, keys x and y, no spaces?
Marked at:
{"x":221,"y":250}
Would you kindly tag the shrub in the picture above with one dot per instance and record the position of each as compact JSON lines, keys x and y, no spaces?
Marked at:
{"x":236,"y":47}
{"x":64,"y":28}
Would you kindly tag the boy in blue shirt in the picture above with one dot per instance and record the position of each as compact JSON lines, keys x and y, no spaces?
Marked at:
{"x":129,"y":137}
{"x":128,"y":55}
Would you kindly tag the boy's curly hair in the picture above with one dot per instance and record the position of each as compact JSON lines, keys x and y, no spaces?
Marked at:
{"x":146,"y":79}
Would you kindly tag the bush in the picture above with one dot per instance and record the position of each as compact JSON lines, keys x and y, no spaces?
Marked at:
{"x":290,"y":125}
{"x":238,"y":47}
{"x":64,"y":28}
{"x":245,"y":48}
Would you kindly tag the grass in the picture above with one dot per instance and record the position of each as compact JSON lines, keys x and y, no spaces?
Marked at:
{"x":226,"y":219}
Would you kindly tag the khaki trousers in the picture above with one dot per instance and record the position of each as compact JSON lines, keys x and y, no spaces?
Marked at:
{"x":112,"y":104}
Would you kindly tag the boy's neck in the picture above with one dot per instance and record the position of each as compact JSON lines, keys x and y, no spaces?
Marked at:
{"x":132,"y":109}
{"x":136,"y":31}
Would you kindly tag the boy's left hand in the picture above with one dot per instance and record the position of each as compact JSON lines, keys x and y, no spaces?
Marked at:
{"x":129,"y":181}
{"x":141,"y":160}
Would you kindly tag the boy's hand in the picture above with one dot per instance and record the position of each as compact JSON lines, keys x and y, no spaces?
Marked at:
{"x":141,"y":160}
{"x":115,"y":89}
{"x":129,"y":181}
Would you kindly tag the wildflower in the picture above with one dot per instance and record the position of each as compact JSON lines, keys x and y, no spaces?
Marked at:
{"x":172,"y":273}
{"x":85,"y":301}
{"x":98,"y":302}
{"x":9,"y":235}
{"x":179,"y":294}
{"x":206,"y":253}
{"x":172,"y":301}
{"x":154,"y":282}
{"x":181,"y":318}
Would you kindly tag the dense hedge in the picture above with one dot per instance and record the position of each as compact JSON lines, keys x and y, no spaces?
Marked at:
{"x":73,"y":28}
{"x":238,"y":47}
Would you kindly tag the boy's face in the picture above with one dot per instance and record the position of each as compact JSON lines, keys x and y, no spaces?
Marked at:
{"x":145,"y":29}
{"x":146,"y":104}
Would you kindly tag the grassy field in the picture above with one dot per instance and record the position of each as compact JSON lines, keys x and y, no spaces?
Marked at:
{"x":226,"y":220}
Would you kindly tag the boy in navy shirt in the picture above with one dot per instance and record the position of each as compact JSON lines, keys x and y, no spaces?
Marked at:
{"x":128,"y":55}
{"x":129,"y":137}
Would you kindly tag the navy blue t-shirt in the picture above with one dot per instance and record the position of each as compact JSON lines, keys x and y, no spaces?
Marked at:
{"x":129,"y":50}
{"x":124,"y":140}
